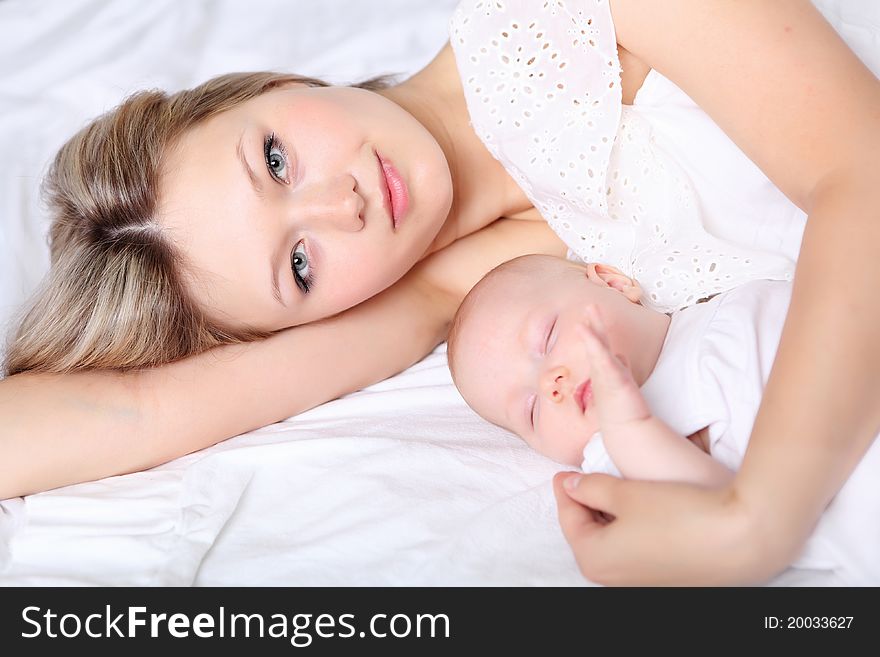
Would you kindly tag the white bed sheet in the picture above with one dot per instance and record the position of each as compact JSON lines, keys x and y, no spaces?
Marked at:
{"x":399,"y":484}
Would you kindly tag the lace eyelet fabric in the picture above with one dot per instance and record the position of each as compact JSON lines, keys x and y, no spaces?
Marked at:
{"x":542,"y":84}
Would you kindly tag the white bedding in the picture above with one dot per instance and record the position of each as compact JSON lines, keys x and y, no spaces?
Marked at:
{"x":399,"y":484}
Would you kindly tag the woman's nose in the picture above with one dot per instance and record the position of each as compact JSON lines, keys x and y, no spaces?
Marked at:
{"x":332,"y":203}
{"x":556,"y":384}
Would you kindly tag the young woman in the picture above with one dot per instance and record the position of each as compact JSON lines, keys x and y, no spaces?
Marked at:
{"x":259,"y":203}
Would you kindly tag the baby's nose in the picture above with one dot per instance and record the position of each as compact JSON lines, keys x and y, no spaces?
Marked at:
{"x":557,"y":384}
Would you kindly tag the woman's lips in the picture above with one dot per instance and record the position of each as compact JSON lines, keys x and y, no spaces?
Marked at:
{"x":583,"y":395}
{"x":386,"y":193}
{"x":398,"y":194}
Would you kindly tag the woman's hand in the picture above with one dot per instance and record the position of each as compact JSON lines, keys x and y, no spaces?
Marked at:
{"x":661,"y":533}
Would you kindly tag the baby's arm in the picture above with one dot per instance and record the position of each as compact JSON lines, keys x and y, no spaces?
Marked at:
{"x":641,"y":445}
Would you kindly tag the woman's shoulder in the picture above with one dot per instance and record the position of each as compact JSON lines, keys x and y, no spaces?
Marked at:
{"x":584,"y":23}
{"x":542,"y":86}
{"x":522,"y":61}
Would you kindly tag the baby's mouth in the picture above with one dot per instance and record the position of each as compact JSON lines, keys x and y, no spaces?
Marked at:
{"x":583,"y":395}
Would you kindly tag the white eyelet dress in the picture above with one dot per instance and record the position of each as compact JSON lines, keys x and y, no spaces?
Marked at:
{"x":655,"y":189}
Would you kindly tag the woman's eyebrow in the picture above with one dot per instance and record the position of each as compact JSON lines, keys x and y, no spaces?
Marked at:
{"x":258,"y":189}
{"x":255,"y":181}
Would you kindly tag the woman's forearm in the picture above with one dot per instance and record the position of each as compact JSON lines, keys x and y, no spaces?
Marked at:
{"x":821,"y":406}
{"x":62,"y":429}
{"x":55,"y":429}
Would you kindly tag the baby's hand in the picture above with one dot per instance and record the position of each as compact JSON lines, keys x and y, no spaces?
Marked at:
{"x":639,"y":444}
{"x":619,"y":404}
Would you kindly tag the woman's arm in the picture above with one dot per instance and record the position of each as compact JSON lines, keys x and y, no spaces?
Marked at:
{"x":62,"y":429}
{"x":789,"y":92}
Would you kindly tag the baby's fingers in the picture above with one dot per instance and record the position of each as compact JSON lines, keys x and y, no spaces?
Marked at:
{"x":593,"y":320}
{"x":606,"y":369}
{"x":616,"y":394}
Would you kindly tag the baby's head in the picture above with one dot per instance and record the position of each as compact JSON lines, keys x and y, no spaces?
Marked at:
{"x":516,"y":357}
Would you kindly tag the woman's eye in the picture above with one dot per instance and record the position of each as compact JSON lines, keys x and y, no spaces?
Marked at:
{"x":302,"y":271}
{"x":300,"y":260}
{"x":276,"y":158}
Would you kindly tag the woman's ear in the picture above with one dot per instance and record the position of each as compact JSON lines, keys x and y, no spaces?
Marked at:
{"x":608,"y":276}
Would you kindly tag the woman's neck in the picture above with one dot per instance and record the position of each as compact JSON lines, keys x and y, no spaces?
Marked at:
{"x":482,"y":190}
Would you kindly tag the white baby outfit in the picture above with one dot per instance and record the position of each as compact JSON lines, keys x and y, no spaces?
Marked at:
{"x":711,"y":373}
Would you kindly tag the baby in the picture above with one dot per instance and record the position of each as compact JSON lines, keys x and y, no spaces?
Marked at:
{"x":564,"y":355}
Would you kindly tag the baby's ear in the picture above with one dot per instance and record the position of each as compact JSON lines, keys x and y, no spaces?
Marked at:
{"x":609,"y":276}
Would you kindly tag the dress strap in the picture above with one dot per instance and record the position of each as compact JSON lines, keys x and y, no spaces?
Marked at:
{"x":540,"y":78}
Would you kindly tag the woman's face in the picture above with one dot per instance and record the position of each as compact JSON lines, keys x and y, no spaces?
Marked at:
{"x":281,"y":205}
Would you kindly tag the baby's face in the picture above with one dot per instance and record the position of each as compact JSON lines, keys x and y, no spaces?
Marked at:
{"x":520,"y":362}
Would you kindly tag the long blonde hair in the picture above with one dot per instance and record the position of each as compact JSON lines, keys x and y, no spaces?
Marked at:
{"x":115,"y":297}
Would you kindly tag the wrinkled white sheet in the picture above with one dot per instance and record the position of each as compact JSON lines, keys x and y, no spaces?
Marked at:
{"x":399,"y":484}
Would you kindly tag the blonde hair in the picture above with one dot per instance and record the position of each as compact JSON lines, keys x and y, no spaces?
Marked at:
{"x":115,"y":297}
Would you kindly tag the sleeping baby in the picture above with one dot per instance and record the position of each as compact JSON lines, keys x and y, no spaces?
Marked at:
{"x":564,"y":355}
